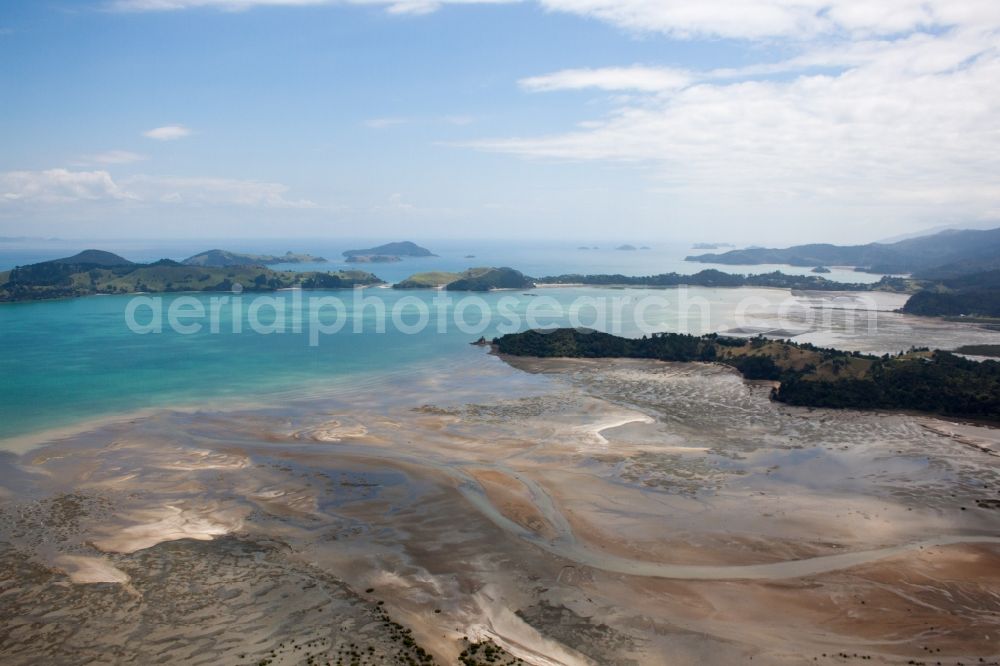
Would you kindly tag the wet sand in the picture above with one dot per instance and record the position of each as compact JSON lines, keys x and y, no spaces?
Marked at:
{"x":571,"y":511}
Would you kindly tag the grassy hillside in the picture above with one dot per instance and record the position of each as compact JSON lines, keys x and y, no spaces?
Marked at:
{"x":429,"y":280}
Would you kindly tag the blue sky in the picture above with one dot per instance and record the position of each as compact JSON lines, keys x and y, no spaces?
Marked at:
{"x":767,"y":119}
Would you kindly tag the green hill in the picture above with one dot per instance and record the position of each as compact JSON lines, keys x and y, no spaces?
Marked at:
{"x":400,"y":249}
{"x":962,"y":252}
{"x":429,"y":280}
{"x":976,"y":295}
{"x":93,"y":258}
{"x":222,"y":258}
{"x":490,"y":279}
{"x":49,"y":280}
{"x":474,"y":279}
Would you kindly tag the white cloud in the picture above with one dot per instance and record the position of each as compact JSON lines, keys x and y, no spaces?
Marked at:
{"x":902,"y":124}
{"x":62,"y":186}
{"x":112,"y":157}
{"x":167,"y":133}
{"x":59,"y":186}
{"x":887,"y":106}
{"x":796,"y":19}
{"x":741,"y":19}
{"x":648,"y":79}
{"x":392,"y":6}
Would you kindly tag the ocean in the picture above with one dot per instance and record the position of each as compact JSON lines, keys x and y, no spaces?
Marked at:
{"x":69,"y":361}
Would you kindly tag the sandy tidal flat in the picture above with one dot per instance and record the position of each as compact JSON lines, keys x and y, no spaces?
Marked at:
{"x":572,"y":512}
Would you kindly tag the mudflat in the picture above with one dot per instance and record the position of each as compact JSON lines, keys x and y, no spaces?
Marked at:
{"x":570,"y":511}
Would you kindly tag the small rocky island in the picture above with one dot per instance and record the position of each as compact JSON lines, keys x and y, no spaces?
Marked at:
{"x":387,"y":253}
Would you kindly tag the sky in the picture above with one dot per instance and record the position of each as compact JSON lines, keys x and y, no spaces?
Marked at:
{"x":765,"y":121}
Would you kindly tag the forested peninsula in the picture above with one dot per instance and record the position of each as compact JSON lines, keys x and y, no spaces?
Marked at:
{"x":936,"y":382}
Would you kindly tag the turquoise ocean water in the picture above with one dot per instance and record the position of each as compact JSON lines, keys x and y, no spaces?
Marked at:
{"x":65,"y":362}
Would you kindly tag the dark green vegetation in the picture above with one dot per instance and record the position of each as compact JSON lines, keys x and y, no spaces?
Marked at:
{"x":979,"y":350}
{"x":474,"y":279}
{"x":936,"y":382}
{"x":400,"y":249}
{"x":223,"y":258}
{"x":66,"y":278}
{"x":491,"y":278}
{"x":95,"y":257}
{"x":976,"y":295}
{"x":943,"y":255}
{"x":487,"y":653}
{"x":715,"y":278}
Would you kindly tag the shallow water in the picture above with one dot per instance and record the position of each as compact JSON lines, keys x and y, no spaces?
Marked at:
{"x":66,"y":362}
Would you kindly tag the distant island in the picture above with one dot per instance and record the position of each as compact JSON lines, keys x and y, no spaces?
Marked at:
{"x":936,"y":382}
{"x":220,"y":258}
{"x":390,"y":252}
{"x":943,"y":255}
{"x":473,"y":279}
{"x":711,"y":246}
{"x":373,"y":259}
{"x":627,"y":248}
{"x":716,"y":278}
{"x":973,"y":297}
{"x":821,"y":269}
{"x":97,"y":272}
{"x":483,"y":279}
